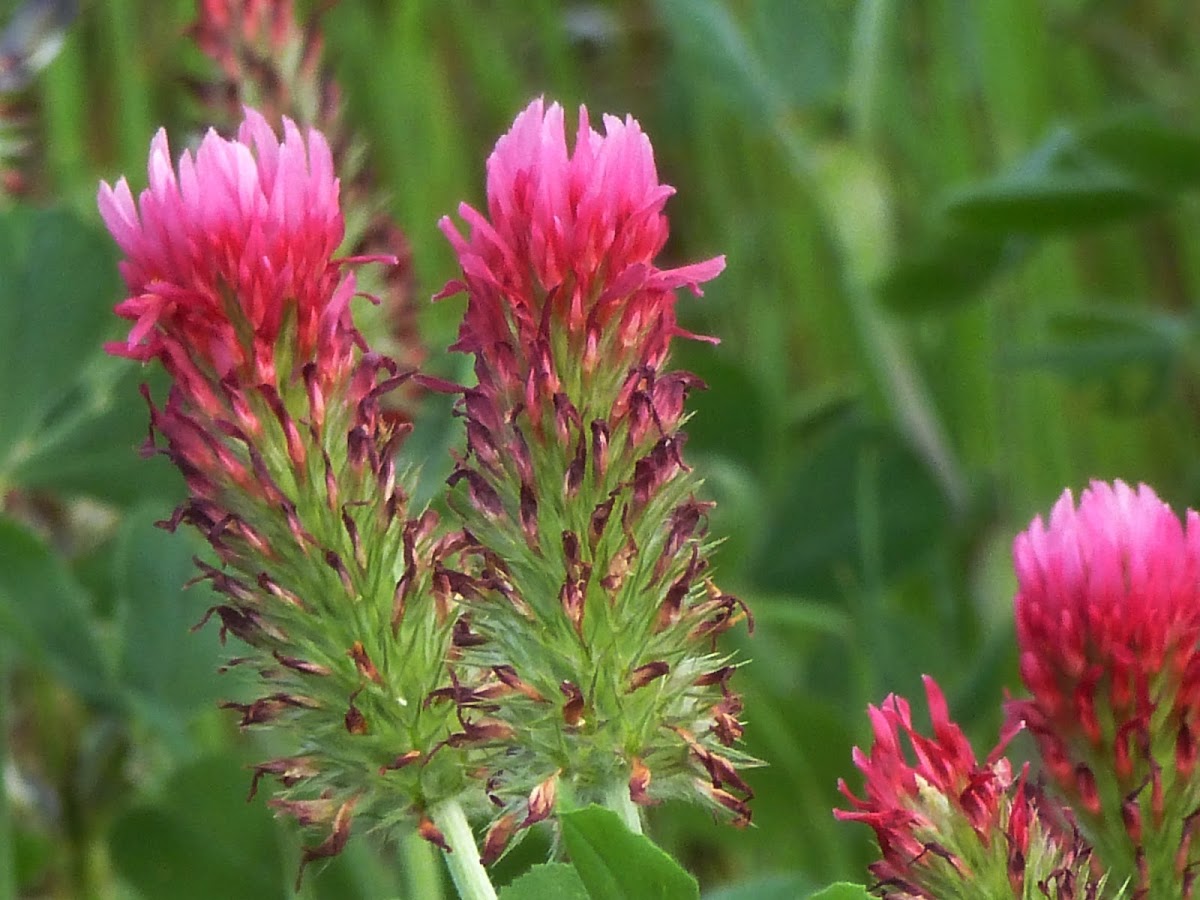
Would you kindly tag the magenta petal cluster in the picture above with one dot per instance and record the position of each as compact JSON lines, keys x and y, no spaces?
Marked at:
{"x":950,"y":826}
{"x":571,"y":236}
{"x":1108,"y":629}
{"x":221,"y":253}
{"x":944,"y":763}
{"x":1108,"y":623}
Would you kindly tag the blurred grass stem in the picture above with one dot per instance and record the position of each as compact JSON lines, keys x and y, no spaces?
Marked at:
{"x":8,"y":875}
{"x":868,"y":56}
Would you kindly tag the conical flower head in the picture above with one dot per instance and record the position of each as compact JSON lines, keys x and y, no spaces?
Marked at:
{"x":592,"y":622}
{"x":563,"y":266}
{"x":268,"y":54}
{"x":338,"y":588}
{"x":1108,"y":628}
{"x":226,"y":251}
{"x":950,"y":826}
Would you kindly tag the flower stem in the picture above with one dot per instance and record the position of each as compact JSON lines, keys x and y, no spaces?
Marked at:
{"x":423,"y":877}
{"x":468,"y":872}
{"x":8,"y":881}
{"x":618,"y":800}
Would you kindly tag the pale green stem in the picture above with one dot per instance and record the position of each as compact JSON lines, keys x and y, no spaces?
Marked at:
{"x":463,"y":861}
{"x":422,"y":877}
{"x":618,"y":800}
{"x":868,"y":54}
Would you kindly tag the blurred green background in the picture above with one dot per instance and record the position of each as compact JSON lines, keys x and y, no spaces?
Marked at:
{"x":962,"y":271}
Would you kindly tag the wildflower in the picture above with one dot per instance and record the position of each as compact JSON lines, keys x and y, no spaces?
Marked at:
{"x":950,"y":826}
{"x":563,"y":270}
{"x":224,"y":254}
{"x":243,"y":34}
{"x":1108,"y":628}
{"x":592,"y":617}
{"x":275,"y":418}
{"x":266,"y":55}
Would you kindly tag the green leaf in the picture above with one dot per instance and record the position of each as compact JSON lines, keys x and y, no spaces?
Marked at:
{"x":359,"y":872}
{"x":843,"y":890}
{"x":810,"y":617}
{"x":731,"y":417}
{"x":801,"y":48}
{"x":202,"y":841}
{"x":772,"y":887}
{"x":58,"y":282}
{"x":815,"y":528}
{"x":557,"y":880}
{"x":166,"y":671}
{"x":1148,"y":148}
{"x":616,"y":864}
{"x":734,"y":70}
{"x":33,"y":855}
{"x":1133,"y":353}
{"x":98,"y":456}
{"x":1113,"y":335}
{"x":1062,"y":202}
{"x":47,"y":614}
{"x":1058,"y":187}
{"x":950,"y":271}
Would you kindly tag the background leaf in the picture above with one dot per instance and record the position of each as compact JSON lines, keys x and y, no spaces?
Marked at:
{"x":1056,"y":187}
{"x":823,"y":486}
{"x":842,"y":891}
{"x":168,"y":672}
{"x":615,"y":864}
{"x":202,"y":840}
{"x":58,"y":281}
{"x":772,"y":887}
{"x":951,"y":270}
{"x":556,"y":880}
{"x":47,"y":615}
{"x":1144,"y":144}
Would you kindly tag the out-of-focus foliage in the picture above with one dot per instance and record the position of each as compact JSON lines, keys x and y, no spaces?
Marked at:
{"x":963,"y":269}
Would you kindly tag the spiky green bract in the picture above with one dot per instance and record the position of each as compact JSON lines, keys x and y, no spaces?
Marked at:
{"x":333,"y":582}
{"x":950,"y":826}
{"x":340,"y":593}
{"x":590,"y":639}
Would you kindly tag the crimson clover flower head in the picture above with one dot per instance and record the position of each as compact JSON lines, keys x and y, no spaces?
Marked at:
{"x":592,"y":615}
{"x":1108,"y":628}
{"x":269,"y":55}
{"x":949,"y":825}
{"x":571,"y":236}
{"x":896,"y":788}
{"x":328,"y":574}
{"x":1107,"y":599}
{"x":221,"y":253}
{"x":221,"y":23}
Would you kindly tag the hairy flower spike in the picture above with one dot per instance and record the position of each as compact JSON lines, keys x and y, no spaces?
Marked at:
{"x":275,"y":418}
{"x":950,"y":826}
{"x":575,"y":487}
{"x":1108,"y":627}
